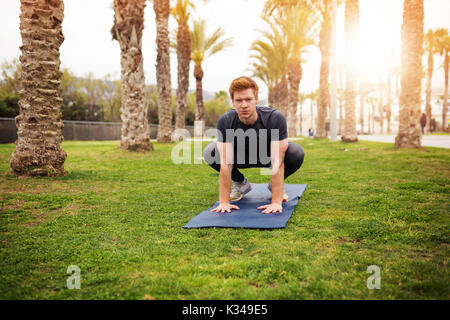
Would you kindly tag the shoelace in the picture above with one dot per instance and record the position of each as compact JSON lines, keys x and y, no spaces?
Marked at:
{"x":236,"y":186}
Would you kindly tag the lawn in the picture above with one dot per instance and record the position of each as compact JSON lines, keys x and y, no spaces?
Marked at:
{"x":118,"y":216}
{"x":438,"y":134}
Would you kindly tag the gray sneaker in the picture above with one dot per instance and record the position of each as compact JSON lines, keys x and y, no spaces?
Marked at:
{"x":285,"y":196}
{"x":239,"y":190}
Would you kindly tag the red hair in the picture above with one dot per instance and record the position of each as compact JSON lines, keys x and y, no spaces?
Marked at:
{"x":243,"y":83}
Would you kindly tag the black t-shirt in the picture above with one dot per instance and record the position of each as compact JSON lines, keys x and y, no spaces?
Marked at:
{"x":270,"y":126}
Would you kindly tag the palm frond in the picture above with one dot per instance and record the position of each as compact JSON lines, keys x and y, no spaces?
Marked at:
{"x":181,"y":11}
{"x":207,"y":45}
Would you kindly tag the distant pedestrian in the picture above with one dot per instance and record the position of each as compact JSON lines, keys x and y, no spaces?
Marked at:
{"x":327,"y":128}
{"x":432,"y":125}
{"x":423,"y":122}
{"x":310,"y":132}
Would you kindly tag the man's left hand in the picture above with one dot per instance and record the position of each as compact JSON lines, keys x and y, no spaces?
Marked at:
{"x":271,"y":208}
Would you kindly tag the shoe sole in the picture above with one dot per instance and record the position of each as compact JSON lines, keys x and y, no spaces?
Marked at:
{"x":243,"y":193}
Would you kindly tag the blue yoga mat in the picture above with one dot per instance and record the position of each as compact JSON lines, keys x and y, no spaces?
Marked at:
{"x":248,"y":216}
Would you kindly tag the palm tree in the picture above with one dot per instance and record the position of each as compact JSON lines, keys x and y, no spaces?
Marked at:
{"x":313,"y":96}
{"x":127,"y":30}
{"x":443,"y":47}
{"x":181,"y":14}
{"x":446,"y":67}
{"x":395,"y":77}
{"x":389,"y":100}
{"x":433,"y":45}
{"x":298,"y":27}
{"x":39,"y":126}
{"x":351,"y":34}
{"x":409,"y":132}
{"x":281,"y":90}
{"x":271,"y":54}
{"x":373,"y":100}
{"x":324,"y":6}
{"x":363,"y":91}
{"x":296,"y":21}
{"x":301,"y":100}
{"x":204,"y":46}
{"x":430,"y":47}
{"x":162,"y":12}
{"x":341,"y":92}
{"x":380,"y":104}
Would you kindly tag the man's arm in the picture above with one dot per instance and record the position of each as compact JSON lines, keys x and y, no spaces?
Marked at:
{"x":226,"y":166}
{"x":277,"y":153}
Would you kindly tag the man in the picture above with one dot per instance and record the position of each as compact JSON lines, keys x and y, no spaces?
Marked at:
{"x":251,"y":136}
{"x":423,"y":122}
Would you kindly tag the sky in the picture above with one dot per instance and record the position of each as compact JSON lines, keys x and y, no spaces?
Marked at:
{"x":88,"y":47}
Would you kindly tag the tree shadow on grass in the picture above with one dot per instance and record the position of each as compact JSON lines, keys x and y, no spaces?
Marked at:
{"x":70,"y":175}
{"x":105,"y":176}
{"x":80,"y":175}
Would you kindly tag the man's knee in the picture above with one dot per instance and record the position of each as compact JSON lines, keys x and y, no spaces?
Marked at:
{"x":209,"y":153}
{"x":294,"y":155}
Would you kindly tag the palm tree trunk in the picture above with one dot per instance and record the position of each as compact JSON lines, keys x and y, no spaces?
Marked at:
{"x":200,"y":110}
{"x":279,"y":96}
{"x":184,"y":59}
{"x":283,"y":96}
{"x":128,"y":28}
{"x":444,"y":105}
{"x":388,"y":104}
{"x":294,"y":77}
{"x":39,"y":126}
{"x":324,"y":91}
{"x":380,"y":106}
{"x":275,"y":95}
{"x":428,"y":90}
{"x":162,"y":12}
{"x":341,"y":83}
{"x":301,"y":118}
{"x":361,"y":111}
{"x":341,"y":116}
{"x":271,"y":96}
{"x":373,"y":115}
{"x":369,"y":116}
{"x":409,"y":132}
{"x":351,"y":28}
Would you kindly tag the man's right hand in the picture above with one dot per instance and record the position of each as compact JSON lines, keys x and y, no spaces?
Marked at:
{"x":225,"y":207}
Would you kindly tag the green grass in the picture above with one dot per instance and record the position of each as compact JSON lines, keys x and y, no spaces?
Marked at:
{"x":119,"y":217}
{"x":438,"y":134}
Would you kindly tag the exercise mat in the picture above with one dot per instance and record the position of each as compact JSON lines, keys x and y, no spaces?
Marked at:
{"x":249,"y":216}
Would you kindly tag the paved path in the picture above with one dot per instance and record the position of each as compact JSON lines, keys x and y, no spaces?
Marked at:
{"x":427,"y":141}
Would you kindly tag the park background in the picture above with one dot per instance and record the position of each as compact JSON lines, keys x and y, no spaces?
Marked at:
{"x":117,"y":214}
{"x":90,"y":60}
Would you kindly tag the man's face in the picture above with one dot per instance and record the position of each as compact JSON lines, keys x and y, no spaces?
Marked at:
{"x":245,"y":103}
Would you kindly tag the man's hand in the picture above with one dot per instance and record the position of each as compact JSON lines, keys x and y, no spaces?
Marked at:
{"x":225,"y":207}
{"x":271,"y":208}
